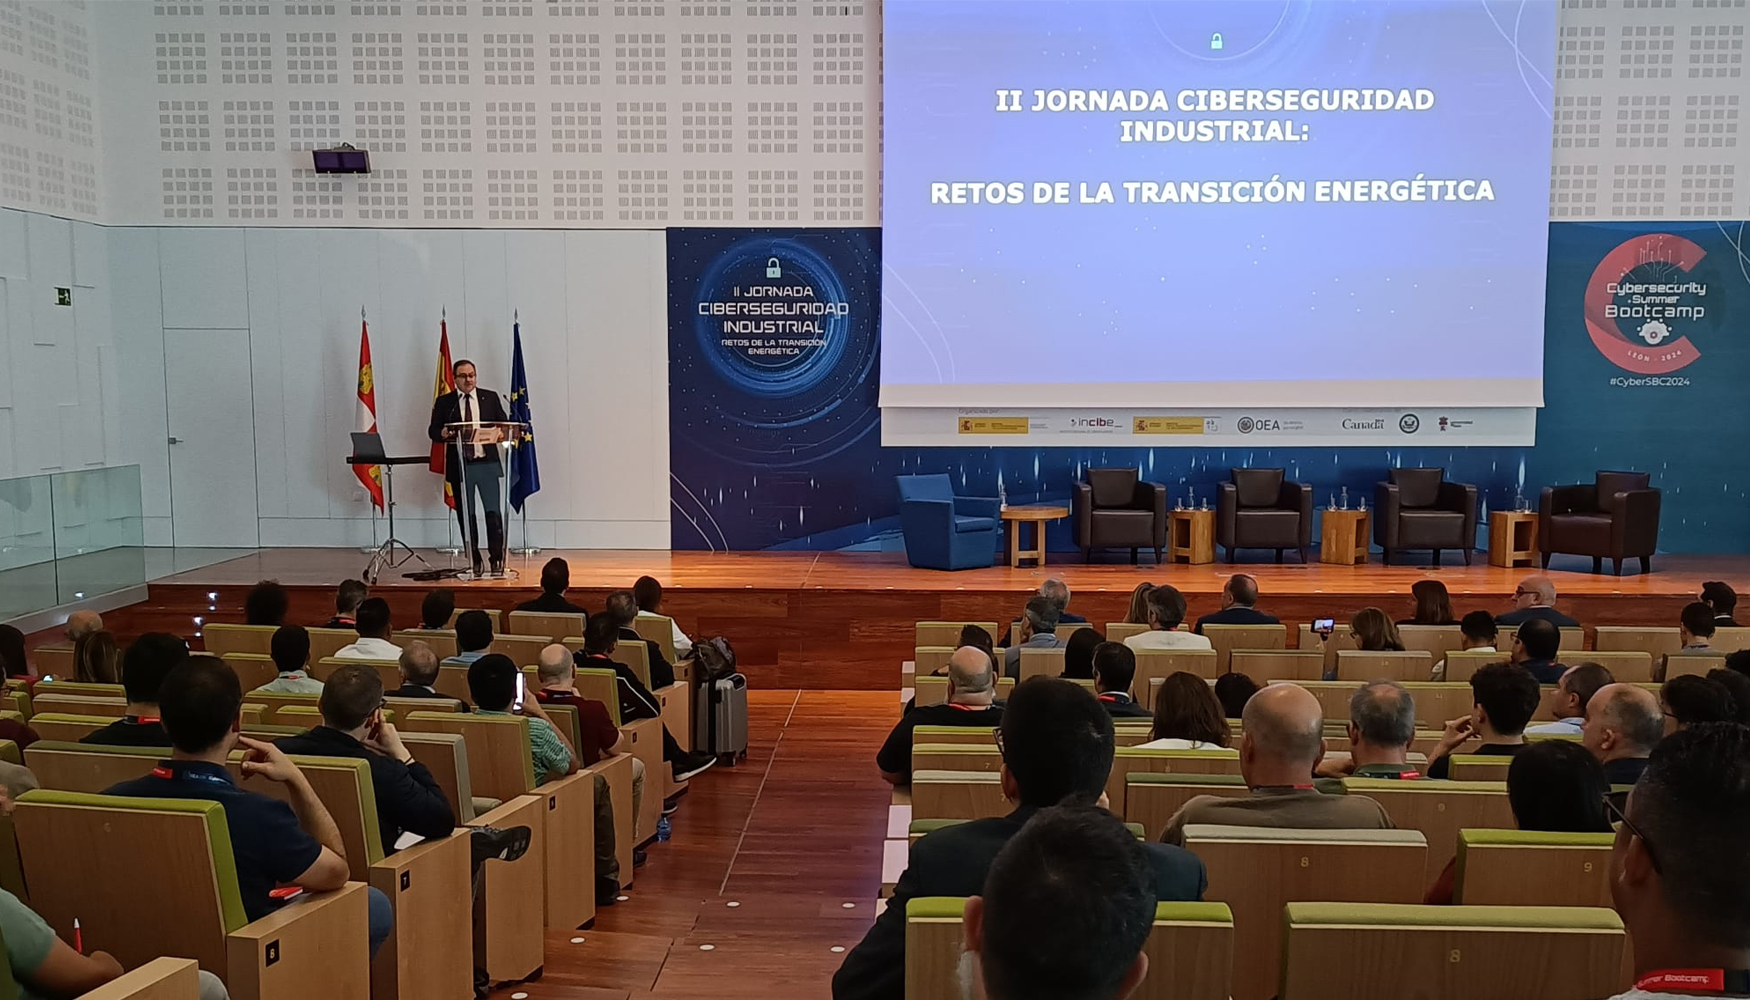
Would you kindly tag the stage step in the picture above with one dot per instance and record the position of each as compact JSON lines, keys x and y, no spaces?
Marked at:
{"x":894,"y":855}
{"x":898,"y":822}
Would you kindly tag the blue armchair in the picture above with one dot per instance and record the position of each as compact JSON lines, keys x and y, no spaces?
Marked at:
{"x":943,"y":531}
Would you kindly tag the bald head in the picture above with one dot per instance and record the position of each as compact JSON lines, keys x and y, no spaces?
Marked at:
{"x":419,"y":663}
{"x":969,"y":671}
{"x":553,"y":663}
{"x":1622,"y":720}
{"x":1541,"y":589}
{"x":82,"y":623}
{"x":1285,"y":726}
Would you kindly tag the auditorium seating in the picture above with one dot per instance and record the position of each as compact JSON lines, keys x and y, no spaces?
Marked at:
{"x":1227,"y":638}
{"x":1262,"y":509}
{"x":1154,"y":665}
{"x":154,"y":877}
{"x":1681,"y":664}
{"x":1615,"y":517}
{"x":934,"y":690}
{"x":1419,"y":509}
{"x":1115,"y":509}
{"x":1355,"y":666}
{"x":597,"y":684}
{"x":1435,"y":640}
{"x":955,"y":757}
{"x":1041,"y":662}
{"x":159,"y":979}
{"x":1478,"y":767}
{"x":553,"y":627}
{"x":656,"y":628}
{"x":1525,"y":868}
{"x":441,"y":641}
{"x":1152,"y":797}
{"x":1439,"y":809}
{"x":1345,"y":951}
{"x":68,"y":728}
{"x":492,"y":613}
{"x":1129,"y":760}
{"x":1645,"y":639}
{"x":112,"y":706}
{"x":957,"y":795}
{"x":1286,"y":664}
{"x":948,"y":633}
{"x":1256,"y":871}
{"x":388,"y":671}
{"x":511,"y":922}
{"x":1190,"y":950}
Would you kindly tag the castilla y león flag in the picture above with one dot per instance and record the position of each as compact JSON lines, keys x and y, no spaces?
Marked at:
{"x":370,"y":475}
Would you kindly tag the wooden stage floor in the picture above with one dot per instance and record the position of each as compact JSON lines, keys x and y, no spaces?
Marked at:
{"x":841,"y":620}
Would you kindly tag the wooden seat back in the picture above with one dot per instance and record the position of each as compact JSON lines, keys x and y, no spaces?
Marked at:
{"x":1339,"y":640}
{"x":223,"y":638}
{"x":1160,"y":663}
{"x":112,"y":706}
{"x":657,"y":628}
{"x":1132,"y":732}
{"x":252,"y":671}
{"x":636,"y":658}
{"x":1523,"y":868}
{"x":276,"y":701}
{"x":1638,"y":638}
{"x":934,"y":690}
{"x":1278,"y":665}
{"x":955,"y":757}
{"x":452,"y":682}
{"x":927,"y":660}
{"x":83,"y":688}
{"x":500,"y":762}
{"x":445,"y":755}
{"x":553,"y":627}
{"x":325,"y":642}
{"x":1120,"y":631}
{"x":78,"y":767}
{"x":1628,"y":666}
{"x":1190,"y":950}
{"x":1478,"y":767}
{"x":347,"y":791}
{"x":1041,"y":662}
{"x":603,"y":685}
{"x":959,"y":735}
{"x":441,"y":641}
{"x":388,"y":671}
{"x":1730,"y":640}
{"x":1435,"y":640}
{"x":1680,"y":664}
{"x":67,"y":728}
{"x":1573,"y":641}
{"x":1227,"y":638}
{"x":1340,"y":951}
{"x":1359,"y":666}
{"x":957,"y":795}
{"x":492,"y":613}
{"x":948,"y":633}
{"x":1152,"y":798}
{"x":1135,"y":760}
{"x":523,"y":650}
{"x":1256,"y":871}
{"x":1063,"y":632}
{"x":1439,"y":809}
{"x":1462,"y":664}
{"x":53,"y":659}
{"x":1435,"y":702}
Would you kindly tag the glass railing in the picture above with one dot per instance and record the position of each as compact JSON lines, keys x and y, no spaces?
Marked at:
{"x":69,"y":536}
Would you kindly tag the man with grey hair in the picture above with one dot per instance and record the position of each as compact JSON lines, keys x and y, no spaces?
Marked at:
{"x":972,"y":693}
{"x":1057,"y":592}
{"x":1623,"y":723}
{"x":1284,"y":741}
{"x":1038,"y":631}
{"x":1535,"y":597}
{"x":82,"y":623}
{"x":1382,"y":725}
{"x":419,"y":672}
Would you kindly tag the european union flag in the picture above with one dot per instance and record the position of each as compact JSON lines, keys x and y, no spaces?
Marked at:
{"x":525,"y":471}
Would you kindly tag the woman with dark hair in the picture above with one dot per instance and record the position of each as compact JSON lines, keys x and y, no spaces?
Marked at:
{"x":1433,"y":605}
{"x":1739,"y":687}
{"x":1553,"y":786}
{"x":12,"y":652}
{"x":97,"y":658}
{"x":1693,"y":699}
{"x":1139,"y":604}
{"x":1233,"y":691}
{"x":266,"y":604}
{"x":1373,"y":630}
{"x":1078,"y":653}
{"x":977,"y":637}
{"x":1187,"y":716}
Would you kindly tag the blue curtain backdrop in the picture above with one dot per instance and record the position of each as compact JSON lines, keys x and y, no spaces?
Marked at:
{"x":775,"y":431}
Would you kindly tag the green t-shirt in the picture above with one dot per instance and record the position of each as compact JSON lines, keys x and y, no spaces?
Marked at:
{"x":29,"y":939}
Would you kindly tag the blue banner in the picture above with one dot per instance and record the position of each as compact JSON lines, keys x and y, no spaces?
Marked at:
{"x":525,"y":469}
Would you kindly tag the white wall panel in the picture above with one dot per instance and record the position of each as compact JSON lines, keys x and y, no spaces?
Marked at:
{"x":137,"y":328}
{"x":203,"y":279}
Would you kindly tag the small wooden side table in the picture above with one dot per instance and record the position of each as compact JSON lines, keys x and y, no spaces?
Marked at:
{"x":1512,"y":538}
{"x":1191,"y":536}
{"x":1343,"y":537}
{"x":1038,"y":514}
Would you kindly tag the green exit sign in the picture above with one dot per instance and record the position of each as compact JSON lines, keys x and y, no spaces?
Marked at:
{"x":63,"y":296}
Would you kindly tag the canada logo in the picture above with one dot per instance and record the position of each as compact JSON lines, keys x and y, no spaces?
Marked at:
{"x":1639,"y":301}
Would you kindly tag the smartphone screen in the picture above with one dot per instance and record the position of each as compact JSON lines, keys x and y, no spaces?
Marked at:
{"x":1325,"y":625}
{"x":521,"y":687}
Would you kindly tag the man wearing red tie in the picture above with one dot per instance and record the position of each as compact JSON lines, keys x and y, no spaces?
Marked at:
{"x":480,"y":470}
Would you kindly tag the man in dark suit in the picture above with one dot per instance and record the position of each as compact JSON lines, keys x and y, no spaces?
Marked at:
{"x":419,"y":671}
{"x":1535,"y":647}
{"x":1056,"y":741}
{"x":1719,"y":595}
{"x":1114,"y":673}
{"x":1535,"y":597}
{"x":623,"y":608}
{"x":480,"y":471}
{"x":555,"y":581}
{"x":1237,"y":598}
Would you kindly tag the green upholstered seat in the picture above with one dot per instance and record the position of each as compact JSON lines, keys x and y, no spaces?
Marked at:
{"x":953,"y":907}
{"x":1530,"y":838}
{"x":1483,"y":760}
{"x":1156,"y":778}
{"x":526,"y":752}
{"x":361,"y":769}
{"x":102,"y":720}
{"x":970,"y":749}
{"x":1414,"y":915}
{"x":1222,"y":754}
{"x":613,"y":680}
{"x":1261,"y":834}
{"x":920,"y":827}
{"x":921,"y":734}
{"x":1364,"y":785}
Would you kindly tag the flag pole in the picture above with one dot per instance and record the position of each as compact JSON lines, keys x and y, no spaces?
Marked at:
{"x":365,"y":550}
{"x":525,"y":550}
{"x":449,"y":548}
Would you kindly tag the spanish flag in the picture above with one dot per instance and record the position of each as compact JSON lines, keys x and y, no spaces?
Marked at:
{"x":445,"y":382}
{"x":370,"y":475}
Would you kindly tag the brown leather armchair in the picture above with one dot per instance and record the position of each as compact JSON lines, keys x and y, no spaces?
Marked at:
{"x":1419,"y":509}
{"x":1260,"y":509}
{"x":1617,"y":517}
{"x":1113,"y":510}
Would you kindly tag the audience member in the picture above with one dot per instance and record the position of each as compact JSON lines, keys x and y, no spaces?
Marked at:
{"x":47,"y":967}
{"x":1138,"y":613}
{"x":97,"y":658}
{"x":1056,"y":742}
{"x":1373,"y":631}
{"x":1382,"y":725}
{"x":1187,"y":716}
{"x":144,"y":666}
{"x":1623,"y":724}
{"x":1691,"y":699}
{"x":1038,"y":631}
{"x":1078,"y":653}
{"x":1573,"y":693}
{"x":1114,"y":673}
{"x":1738,"y":686}
{"x":1238,"y":599}
{"x":82,"y":623}
{"x":436,"y":609}
{"x":419,"y":672}
{"x":623,"y":608}
{"x":1535,"y":597}
{"x":371,"y":619}
{"x":1066,"y":909}
{"x":1695,"y":626}
{"x":12,"y":658}
{"x":274,"y":843}
{"x":1476,"y":633}
{"x":492,"y":684}
{"x":647,"y":593}
{"x":408,"y":797}
{"x":1719,"y":595}
{"x":473,"y":637}
{"x":1233,"y":691}
{"x":976,"y":637}
{"x":601,"y":636}
{"x":597,"y":736}
{"x":1505,"y":698}
{"x":1536,"y":644}
{"x":1739,"y":662}
{"x":1433,"y":604}
{"x":555,"y":581}
{"x":1679,"y":874}
{"x":266,"y":604}
{"x":1554,"y":786}
{"x":1166,"y":609}
{"x":1057,"y":592}
{"x":290,"y":649}
{"x":972,"y":692}
{"x":1283,"y":742}
{"x":347,"y":598}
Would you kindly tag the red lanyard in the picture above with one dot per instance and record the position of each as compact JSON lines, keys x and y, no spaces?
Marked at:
{"x":965,"y":708}
{"x":1693,"y":980}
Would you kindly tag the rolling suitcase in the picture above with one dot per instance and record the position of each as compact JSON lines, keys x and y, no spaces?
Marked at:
{"x":721,"y":725}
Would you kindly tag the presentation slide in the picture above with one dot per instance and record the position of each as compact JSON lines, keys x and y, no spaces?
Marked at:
{"x":1268,"y":203}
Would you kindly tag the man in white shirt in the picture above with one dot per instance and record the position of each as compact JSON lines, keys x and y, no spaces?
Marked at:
{"x":1038,"y":631}
{"x":1166,"y":609}
{"x":290,"y":648}
{"x":647,"y":592}
{"x":1573,"y":692}
{"x":373,"y":629}
{"x":1679,"y":874}
{"x":1476,"y":632}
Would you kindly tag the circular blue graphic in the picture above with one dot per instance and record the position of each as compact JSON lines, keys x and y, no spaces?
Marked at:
{"x":763,"y":360}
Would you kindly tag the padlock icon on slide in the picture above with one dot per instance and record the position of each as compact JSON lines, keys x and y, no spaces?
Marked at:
{"x":773,"y":269}
{"x":1215,"y":42}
